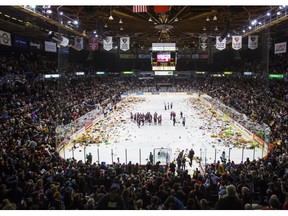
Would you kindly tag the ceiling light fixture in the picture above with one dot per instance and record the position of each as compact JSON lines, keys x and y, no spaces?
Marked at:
{"x":150,"y":19}
{"x":176,"y":19}
{"x":268,"y":14}
{"x":121,"y":28}
{"x":204,"y":28}
{"x":215,"y":18}
{"x":216,"y":28}
{"x":243,"y":31}
{"x":120,"y":21}
{"x":207,"y":19}
{"x":110,"y":17}
{"x":106,"y":26}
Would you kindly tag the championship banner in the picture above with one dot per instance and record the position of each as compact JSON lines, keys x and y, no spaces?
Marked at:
{"x":108,"y":43}
{"x":280,"y":48}
{"x":124,"y":43}
{"x":35,"y":44}
{"x":78,"y":43}
{"x":203,"y":42}
{"x":5,"y":38}
{"x":220,"y":44}
{"x":253,"y":42}
{"x":236,"y":42}
{"x":50,"y":46}
{"x":93,"y":43}
{"x":20,"y":42}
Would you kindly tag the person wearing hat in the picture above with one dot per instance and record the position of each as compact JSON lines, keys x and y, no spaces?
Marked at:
{"x":112,"y":200}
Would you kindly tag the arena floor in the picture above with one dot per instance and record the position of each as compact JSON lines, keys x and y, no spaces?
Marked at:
{"x":119,"y":137}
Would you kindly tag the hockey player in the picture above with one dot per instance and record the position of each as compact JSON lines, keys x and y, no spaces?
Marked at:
{"x":190,"y":156}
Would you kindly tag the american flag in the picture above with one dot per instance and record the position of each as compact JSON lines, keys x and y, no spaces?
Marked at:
{"x":139,"y":8}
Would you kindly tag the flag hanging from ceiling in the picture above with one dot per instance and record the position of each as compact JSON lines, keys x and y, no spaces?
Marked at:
{"x":280,"y":48}
{"x":139,"y":8}
{"x":220,"y":43}
{"x":253,"y":42}
{"x":93,"y":44}
{"x":107,"y":43}
{"x":78,"y":43}
{"x":203,"y":42}
{"x":161,"y":9}
{"x":236,"y":42}
{"x":124,"y":43}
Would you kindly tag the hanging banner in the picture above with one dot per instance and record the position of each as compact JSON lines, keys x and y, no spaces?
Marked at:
{"x":253,"y":42}
{"x":78,"y":43}
{"x":108,"y":43}
{"x":93,"y":43}
{"x":236,"y":42}
{"x":20,"y":42}
{"x":124,"y":43}
{"x":5,"y":38}
{"x":203,"y":42}
{"x":50,"y":46}
{"x":220,"y":44}
{"x":280,"y":48}
{"x":64,"y":51}
{"x":35,"y":44}
{"x":161,"y":9}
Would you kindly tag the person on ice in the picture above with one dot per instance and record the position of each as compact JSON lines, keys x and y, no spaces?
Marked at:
{"x":183,"y":121}
{"x":190,"y":156}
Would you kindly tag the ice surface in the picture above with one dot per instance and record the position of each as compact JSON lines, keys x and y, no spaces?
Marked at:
{"x":129,"y":143}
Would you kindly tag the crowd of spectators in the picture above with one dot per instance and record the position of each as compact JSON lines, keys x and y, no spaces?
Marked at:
{"x":34,"y":176}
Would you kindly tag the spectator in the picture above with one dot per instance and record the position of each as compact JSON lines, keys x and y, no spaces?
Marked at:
{"x":230,"y":201}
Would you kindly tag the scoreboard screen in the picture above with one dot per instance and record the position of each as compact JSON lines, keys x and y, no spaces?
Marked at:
{"x":163,"y":60}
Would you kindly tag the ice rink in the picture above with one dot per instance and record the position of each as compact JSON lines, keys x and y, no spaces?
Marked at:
{"x":121,"y":139}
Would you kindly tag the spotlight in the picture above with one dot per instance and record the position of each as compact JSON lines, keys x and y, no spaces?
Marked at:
{"x":268,"y":14}
{"x":204,"y":28}
{"x":243,"y":31}
{"x":278,"y":13}
{"x":106,"y":26}
{"x":215,"y":18}
{"x":176,"y":19}
{"x":216,"y":28}
{"x":250,"y":27}
{"x":75,"y":22}
{"x":207,"y":19}
{"x":49,"y":11}
{"x":110,"y":17}
{"x":150,"y":19}
{"x":120,"y":21}
{"x":229,"y":35}
{"x":121,"y":28}
{"x":61,"y":13}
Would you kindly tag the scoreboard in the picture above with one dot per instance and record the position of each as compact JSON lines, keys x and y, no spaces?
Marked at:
{"x":163,"y":56}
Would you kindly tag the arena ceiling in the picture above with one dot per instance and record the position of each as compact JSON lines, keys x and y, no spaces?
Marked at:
{"x":181,"y":24}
